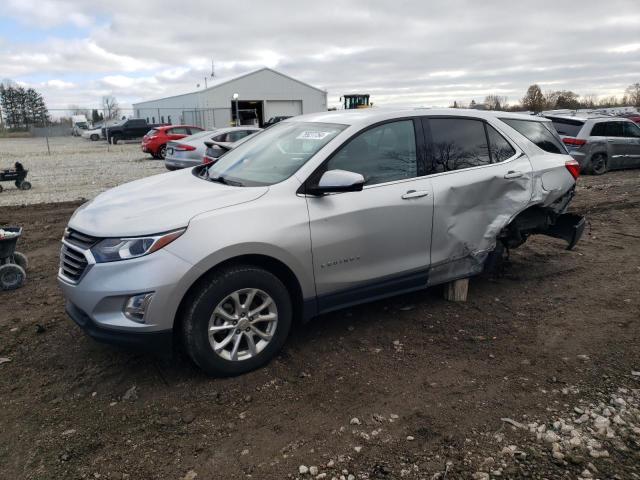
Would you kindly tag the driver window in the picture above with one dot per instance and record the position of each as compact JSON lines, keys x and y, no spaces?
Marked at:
{"x":381,"y":154}
{"x":631,"y":130}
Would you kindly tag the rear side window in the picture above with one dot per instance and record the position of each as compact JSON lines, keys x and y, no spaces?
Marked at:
{"x":179,"y":131}
{"x":570,"y":128}
{"x":599,"y":130}
{"x":458,"y":143}
{"x":537,"y":133}
{"x":500,"y":149}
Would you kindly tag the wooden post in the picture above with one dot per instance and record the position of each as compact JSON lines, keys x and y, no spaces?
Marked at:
{"x":457,"y":290}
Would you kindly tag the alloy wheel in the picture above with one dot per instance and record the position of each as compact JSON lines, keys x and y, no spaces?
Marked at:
{"x":243,"y":324}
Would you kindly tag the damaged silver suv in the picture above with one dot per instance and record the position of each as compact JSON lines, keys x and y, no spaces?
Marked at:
{"x":316,"y":213}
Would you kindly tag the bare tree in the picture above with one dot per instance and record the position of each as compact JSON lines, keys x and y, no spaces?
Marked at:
{"x":534,"y":100}
{"x":496,"y":102}
{"x":590,"y":100}
{"x":110,"y":107}
{"x":633,"y":94}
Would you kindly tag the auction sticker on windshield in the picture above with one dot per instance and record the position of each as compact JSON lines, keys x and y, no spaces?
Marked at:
{"x":313,"y":135}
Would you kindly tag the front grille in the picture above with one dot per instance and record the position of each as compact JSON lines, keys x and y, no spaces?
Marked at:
{"x":72,"y":263}
{"x":80,"y":240}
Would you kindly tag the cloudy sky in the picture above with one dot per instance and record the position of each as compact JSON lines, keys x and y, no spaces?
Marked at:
{"x":402,"y":52}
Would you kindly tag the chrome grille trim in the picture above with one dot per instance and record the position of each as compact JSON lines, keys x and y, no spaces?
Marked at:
{"x":79,"y":239}
{"x":74,"y":263}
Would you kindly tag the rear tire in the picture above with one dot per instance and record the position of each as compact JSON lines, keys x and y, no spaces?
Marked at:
{"x":25,"y":185}
{"x":94,"y":138}
{"x":11,"y":276}
{"x":237,"y":319}
{"x":171,"y":169}
{"x":598,"y":164}
{"x":115,"y":139}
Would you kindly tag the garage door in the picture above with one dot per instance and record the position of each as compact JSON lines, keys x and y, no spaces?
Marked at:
{"x":276,"y":108}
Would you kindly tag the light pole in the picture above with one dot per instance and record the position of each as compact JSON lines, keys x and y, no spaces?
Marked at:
{"x":235,"y":98}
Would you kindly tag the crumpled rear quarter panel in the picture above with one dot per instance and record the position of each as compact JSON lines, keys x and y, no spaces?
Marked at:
{"x":471,"y":208}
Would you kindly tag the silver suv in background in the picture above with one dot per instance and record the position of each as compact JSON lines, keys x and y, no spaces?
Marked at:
{"x":316,"y":213}
{"x":600,"y":143}
{"x":190,"y":151}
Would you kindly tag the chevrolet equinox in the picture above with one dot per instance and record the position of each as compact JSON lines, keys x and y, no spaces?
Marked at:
{"x":316,"y":213}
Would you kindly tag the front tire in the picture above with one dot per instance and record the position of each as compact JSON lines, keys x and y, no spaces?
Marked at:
{"x":94,"y":138}
{"x":599,"y":164}
{"x":115,"y":139}
{"x":162,"y":153}
{"x":237,"y":320}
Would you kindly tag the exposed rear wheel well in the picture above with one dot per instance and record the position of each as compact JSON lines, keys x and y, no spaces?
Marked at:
{"x":276,"y":267}
{"x":522,"y":225}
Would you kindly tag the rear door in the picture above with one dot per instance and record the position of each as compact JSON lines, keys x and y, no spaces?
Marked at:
{"x":480,"y":181}
{"x":375,"y":242}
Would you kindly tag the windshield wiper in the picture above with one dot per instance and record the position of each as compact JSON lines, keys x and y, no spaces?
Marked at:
{"x":224,"y":181}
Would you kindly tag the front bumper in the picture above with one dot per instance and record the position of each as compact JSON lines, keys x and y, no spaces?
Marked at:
{"x":97,"y":300}
{"x":161,"y":341}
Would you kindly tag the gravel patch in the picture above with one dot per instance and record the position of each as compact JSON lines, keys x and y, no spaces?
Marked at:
{"x":76,"y":169}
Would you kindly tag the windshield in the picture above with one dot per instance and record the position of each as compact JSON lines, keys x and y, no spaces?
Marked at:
{"x":274,"y":154}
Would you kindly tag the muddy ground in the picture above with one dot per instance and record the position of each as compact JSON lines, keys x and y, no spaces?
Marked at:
{"x":411,"y":387}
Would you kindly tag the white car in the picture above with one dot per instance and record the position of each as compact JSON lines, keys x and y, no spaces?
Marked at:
{"x":93,"y":134}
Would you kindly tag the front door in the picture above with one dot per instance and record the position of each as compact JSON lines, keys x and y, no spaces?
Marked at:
{"x":616,"y":145}
{"x":375,"y":242}
{"x":631,"y":133}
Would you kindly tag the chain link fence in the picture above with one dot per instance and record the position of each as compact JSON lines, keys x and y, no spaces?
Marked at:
{"x":78,"y":121}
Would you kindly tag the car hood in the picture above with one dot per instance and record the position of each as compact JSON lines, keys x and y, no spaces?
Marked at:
{"x":156,"y":204}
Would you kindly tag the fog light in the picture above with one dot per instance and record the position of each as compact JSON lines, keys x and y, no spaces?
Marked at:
{"x":136,"y":306}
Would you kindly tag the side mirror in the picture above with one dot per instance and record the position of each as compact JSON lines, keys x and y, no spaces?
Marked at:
{"x":334,"y":181}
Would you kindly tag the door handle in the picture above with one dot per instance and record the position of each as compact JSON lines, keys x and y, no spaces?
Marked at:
{"x":513,"y":174}
{"x":414,"y":194}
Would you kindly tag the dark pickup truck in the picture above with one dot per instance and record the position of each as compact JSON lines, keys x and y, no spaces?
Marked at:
{"x":128,"y":130}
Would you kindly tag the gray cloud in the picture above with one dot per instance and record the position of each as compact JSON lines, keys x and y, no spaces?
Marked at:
{"x":408,"y":52}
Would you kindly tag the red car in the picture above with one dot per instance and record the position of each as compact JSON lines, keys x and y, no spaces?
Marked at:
{"x":634,"y":117}
{"x":155,"y":142}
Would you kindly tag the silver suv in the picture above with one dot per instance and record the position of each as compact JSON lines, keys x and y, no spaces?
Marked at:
{"x":316,"y":213}
{"x":600,"y":143}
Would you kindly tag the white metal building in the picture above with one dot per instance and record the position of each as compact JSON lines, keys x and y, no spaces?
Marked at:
{"x":262,"y":94}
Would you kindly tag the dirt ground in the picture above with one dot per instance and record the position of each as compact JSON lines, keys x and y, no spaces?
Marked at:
{"x":411,"y":387}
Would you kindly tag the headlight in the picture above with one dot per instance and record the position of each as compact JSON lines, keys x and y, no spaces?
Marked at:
{"x":114,"y":249}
